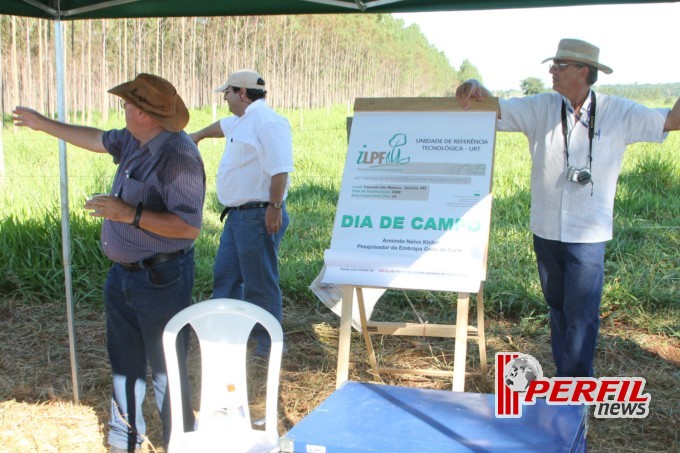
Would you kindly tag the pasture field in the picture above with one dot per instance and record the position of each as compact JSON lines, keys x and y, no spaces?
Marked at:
{"x":640,"y":308}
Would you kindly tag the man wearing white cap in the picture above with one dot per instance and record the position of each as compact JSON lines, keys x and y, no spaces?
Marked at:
{"x":576,"y":140}
{"x":252,"y":184}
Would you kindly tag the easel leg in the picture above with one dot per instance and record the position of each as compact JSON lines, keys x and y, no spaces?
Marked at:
{"x":460,"y":349}
{"x":345,"y":335}
{"x":367,"y":336}
{"x":480,"y":332}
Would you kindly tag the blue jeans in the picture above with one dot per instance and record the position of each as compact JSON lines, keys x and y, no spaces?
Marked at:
{"x":247,"y":266}
{"x":138,"y":305}
{"x":572,"y":277}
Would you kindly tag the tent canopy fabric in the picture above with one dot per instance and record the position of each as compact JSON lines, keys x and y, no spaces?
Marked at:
{"x":97,"y":9}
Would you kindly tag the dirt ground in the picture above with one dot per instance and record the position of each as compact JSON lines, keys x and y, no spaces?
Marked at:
{"x":37,"y":415}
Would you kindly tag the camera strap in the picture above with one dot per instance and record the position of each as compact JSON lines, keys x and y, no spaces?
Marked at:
{"x":591,"y":133}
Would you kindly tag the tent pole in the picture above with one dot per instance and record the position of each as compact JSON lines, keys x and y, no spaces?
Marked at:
{"x":65,"y":229}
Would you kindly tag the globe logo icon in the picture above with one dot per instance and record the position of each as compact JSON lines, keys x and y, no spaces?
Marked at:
{"x":521,"y":371}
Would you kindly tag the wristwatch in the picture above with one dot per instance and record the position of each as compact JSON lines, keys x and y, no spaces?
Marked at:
{"x":276,"y":204}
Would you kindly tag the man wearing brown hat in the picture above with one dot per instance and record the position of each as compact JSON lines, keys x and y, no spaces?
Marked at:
{"x":252,"y":182}
{"x":576,"y":140}
{"x":151,"y":218}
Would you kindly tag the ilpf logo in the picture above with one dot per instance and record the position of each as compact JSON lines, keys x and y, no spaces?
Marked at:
{"x":380,"y":158}
{"x":519,"y":381}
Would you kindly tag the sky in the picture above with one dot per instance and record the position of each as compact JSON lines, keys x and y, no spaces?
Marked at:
{"x":639,"y":42}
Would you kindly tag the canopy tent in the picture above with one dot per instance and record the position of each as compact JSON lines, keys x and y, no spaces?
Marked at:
{"x":97,"y":9}
{"x":59,"y":10}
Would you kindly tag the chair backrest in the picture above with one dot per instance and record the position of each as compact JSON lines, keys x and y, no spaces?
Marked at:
{"x":222,"y":327}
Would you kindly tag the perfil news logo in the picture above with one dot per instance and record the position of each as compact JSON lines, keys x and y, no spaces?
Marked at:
{"x":519,"y":381}
{"x":380,"y":158}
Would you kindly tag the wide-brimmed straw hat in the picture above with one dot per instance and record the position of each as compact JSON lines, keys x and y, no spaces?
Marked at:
{"x":581,"y":51}
{"x":244,"y":78}
{"x":157,"y":98}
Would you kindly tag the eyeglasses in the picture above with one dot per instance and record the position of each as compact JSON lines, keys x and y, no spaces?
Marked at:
{"x":123,"y":103}
{"x":562,"y":66}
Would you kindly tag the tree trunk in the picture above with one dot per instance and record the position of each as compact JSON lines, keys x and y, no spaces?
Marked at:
{"x":104,"y":76}
{"x":88,"y":92}
{"x":83,"y":74}
{"x":182,"y":52}
{"x":51,"y":101}
{"x":28,"y":76}
{"x":192,"y":66}
{"x":139,"y":67}
{"x":125,"y":52}
{"x":158,"y":44}
{"x":15,"y":65}
{"x":42,"y":86}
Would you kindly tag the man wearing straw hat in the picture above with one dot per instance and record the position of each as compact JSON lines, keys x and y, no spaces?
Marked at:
{"x":252,"y":182}
{"x":576,"y":140}
{"x":150,"y":221}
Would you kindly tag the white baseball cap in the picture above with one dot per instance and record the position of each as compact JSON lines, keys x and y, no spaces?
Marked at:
{"x":244,"y":78}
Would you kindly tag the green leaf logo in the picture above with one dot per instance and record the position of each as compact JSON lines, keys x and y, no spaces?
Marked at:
{"x":398,"y":140}
{"x":394,"y":156}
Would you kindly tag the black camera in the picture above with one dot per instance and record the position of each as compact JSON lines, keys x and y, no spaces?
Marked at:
{"x":579,"y":175}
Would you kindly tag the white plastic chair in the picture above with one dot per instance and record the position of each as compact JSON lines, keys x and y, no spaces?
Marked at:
{"x":223,"y":327}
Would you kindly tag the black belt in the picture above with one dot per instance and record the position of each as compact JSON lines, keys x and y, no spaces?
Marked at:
{"x":158,"y":258}
{"x":253,"y":205}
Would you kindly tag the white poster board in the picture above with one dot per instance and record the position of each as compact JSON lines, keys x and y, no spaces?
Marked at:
{"x":415,"y":201}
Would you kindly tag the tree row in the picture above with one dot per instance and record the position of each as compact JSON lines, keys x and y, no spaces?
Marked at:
{"x":307,"y":61}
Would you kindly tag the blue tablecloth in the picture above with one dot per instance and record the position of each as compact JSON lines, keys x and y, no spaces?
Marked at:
{"x":363,"y":417}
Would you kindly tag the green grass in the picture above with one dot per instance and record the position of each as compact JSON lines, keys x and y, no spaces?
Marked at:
{"x":641,"y":281}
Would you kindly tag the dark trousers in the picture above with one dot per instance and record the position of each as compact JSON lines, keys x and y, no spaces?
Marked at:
{"x":247,"y":266}
{"x":572,"y":277}
{"x":138,"y":306}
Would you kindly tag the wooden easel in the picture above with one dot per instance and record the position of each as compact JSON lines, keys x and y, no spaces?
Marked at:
{"x":461,"y":332}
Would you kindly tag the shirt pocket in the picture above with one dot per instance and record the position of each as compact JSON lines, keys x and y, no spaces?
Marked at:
{"x":235,"y":156}
{"x":607,"y":160}
{"x":133,"y":191}
{"x":604,"y":150}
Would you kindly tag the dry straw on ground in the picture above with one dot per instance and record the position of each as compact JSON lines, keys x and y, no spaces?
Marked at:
{"x":35,"y":383}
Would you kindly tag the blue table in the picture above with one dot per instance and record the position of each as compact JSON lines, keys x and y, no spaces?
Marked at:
{"x":363,"y":417}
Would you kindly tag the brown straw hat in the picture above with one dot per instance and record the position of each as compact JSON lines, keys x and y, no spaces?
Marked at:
{"x":157,"y":98}
{"x":581,"y":51}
